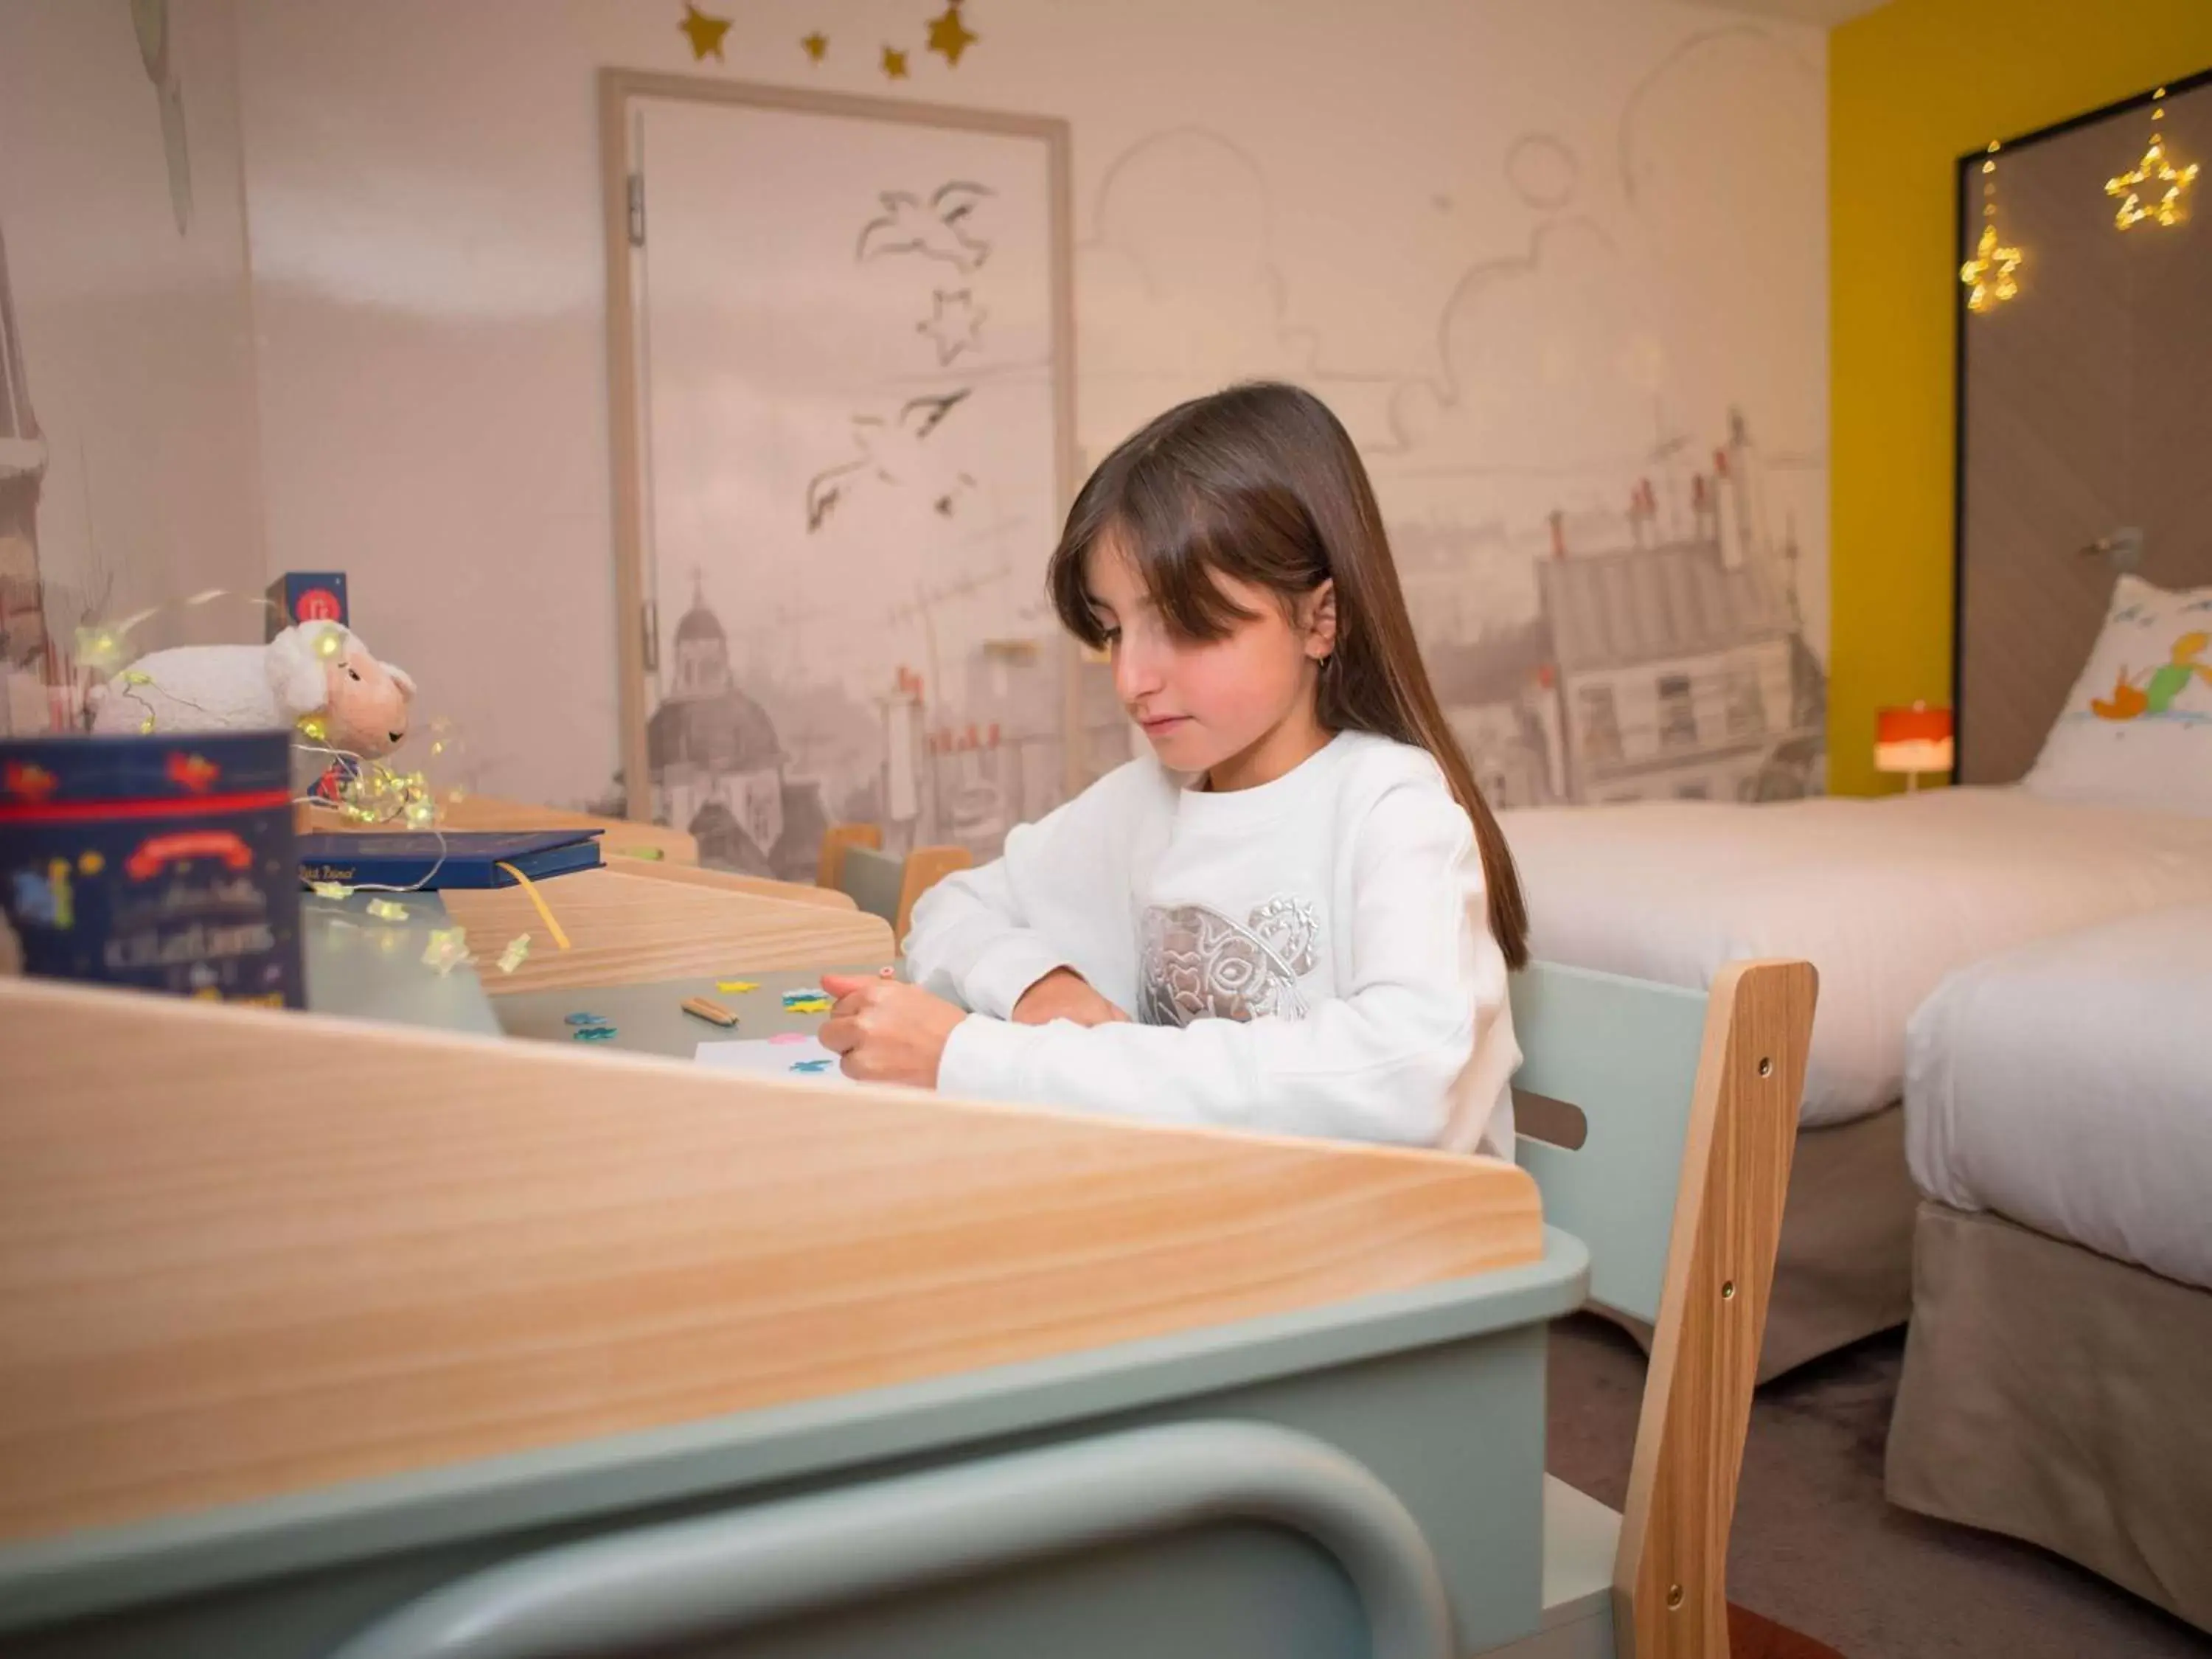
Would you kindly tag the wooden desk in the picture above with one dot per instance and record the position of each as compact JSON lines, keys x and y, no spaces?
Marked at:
{"x":302,"y":1318}
{"x":694,"y":875}
{"x":623,"y":836}
{"x":625,"y":928}
{"x":362,"y":967}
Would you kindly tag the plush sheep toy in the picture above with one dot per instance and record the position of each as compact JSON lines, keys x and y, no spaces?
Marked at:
{"x":317,"y":671}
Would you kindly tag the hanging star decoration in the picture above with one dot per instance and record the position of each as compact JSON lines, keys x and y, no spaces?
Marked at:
{"x":815,"y":45}
{"x":894,"y":63}
{"x":1989,"y":274}
{"x":948,"y":34}
{"x":705,"y":31}
{"x":2153,"y":170}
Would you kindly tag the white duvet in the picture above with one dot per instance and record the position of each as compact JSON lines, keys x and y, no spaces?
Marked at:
{"x":1883,"y":896}
{"x":2068,"y":1086}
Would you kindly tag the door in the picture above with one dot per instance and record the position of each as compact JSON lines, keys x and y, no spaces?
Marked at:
{"x":847,"y":327}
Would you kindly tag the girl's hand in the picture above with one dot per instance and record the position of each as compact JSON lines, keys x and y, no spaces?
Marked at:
{"x":887,"y":1031}
{"x":1063,"y":994}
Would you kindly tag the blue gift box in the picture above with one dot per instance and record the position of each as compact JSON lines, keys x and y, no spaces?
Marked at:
{"x":164,"y":861}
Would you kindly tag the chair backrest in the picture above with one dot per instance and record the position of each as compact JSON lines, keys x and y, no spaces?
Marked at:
{"x":1623,"y":1053}
{"x":871,"y":879}
{"x":886,"y":885}
{"x":830,"y":861}
{"x":1620,"y":1052}
{"x":924,"y":867}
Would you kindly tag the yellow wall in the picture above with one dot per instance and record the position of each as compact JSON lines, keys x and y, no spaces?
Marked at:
{"x":1911,"y":86}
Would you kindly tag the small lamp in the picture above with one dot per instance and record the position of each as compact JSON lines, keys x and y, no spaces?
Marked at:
{"x":1912,"y":741}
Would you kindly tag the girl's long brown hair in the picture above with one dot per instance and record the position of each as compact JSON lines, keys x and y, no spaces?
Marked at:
{"x":1262,"y":484}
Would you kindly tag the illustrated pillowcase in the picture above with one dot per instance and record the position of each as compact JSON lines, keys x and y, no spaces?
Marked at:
{"x":2136,"y":730}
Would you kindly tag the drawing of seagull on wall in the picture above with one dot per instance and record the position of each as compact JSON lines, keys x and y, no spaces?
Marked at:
{"x":890,"y":452}
{"x":936,"y":230}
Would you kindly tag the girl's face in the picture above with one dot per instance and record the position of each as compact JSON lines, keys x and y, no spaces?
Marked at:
{"x":1239,"y":709}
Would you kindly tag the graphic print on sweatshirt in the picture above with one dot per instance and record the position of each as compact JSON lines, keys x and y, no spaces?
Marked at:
{"x":1199,"y":964}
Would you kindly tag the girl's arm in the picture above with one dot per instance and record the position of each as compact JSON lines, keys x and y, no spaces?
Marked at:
{"x":1379,"y":1063}
{"x":981,"y":937}
{"x":972,"y":942}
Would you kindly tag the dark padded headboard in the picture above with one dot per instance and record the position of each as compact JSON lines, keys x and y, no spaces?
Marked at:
{"x":2085,"y":408}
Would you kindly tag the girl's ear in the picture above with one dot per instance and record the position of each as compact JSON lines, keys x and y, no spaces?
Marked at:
{"x":1320,"y":609}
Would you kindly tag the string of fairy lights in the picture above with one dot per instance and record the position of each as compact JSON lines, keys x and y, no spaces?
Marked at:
{"x":2152,"y":192}
{"x":361,"y":791}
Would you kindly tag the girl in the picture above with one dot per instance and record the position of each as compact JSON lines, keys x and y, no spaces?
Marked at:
{"x":1296,"y":915}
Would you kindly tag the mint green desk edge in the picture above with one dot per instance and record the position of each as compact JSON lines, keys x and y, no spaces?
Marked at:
{"x":346,"y":976}
{"x":103,"y":1569}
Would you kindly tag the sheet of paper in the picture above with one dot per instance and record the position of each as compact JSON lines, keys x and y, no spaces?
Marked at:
{"x":802,"y":1062}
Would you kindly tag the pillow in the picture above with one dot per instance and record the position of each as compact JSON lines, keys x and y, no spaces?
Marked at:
{"x":2136,"y":730}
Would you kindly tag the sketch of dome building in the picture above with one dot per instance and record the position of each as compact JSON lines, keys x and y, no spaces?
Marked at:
{"x":718,"y":767}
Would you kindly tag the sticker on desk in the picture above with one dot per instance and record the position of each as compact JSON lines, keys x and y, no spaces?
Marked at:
{"x":804,"y":1060}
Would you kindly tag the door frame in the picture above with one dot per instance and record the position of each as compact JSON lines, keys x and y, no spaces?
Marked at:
{"x":618,"y":89}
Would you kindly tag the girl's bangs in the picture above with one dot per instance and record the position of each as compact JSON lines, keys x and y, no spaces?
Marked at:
{"x":1178,"y":542}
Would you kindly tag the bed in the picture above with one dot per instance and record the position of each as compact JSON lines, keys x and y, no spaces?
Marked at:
{"x":2059,"y":1097}
{"x":2059,"y":1118}
{"x":1885,"y":897}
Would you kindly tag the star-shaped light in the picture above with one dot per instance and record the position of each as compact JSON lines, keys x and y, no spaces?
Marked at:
{"x":949,"y":36}
{"x":704,"y":32}
{"x":447,"y":948}
{"x":1988,"y":275}
{"x":894,"y":63}
{"x":2153,"y":170}
{"x":815,"y":45}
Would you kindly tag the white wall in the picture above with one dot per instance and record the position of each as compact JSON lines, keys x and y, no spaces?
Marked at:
{"x":136,"y":334}
{"x":1518,"y":243}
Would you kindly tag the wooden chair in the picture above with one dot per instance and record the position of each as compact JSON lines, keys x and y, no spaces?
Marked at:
{"x":1663,"y":1078}
{"x":829,"y":871}
{"x":888,"y":886}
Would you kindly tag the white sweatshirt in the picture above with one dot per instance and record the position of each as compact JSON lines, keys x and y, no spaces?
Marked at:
{"x":1311,"y":956}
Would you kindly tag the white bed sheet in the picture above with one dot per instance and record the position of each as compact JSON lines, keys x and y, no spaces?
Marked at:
{"x":2068,"y":1086}
{"x":1883,"y":896}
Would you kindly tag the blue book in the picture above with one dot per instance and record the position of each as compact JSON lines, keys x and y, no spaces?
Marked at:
{"x":463,"y":858}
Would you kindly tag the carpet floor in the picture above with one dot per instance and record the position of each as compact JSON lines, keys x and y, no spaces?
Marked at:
{"x":1751,"y":1637}
{"x":1816,"y":1546}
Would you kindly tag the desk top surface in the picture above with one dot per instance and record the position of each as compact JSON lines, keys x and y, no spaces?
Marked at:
{"x":364,"y":967}
{"x":649,"y":1018}
{"x":659,"y":941}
